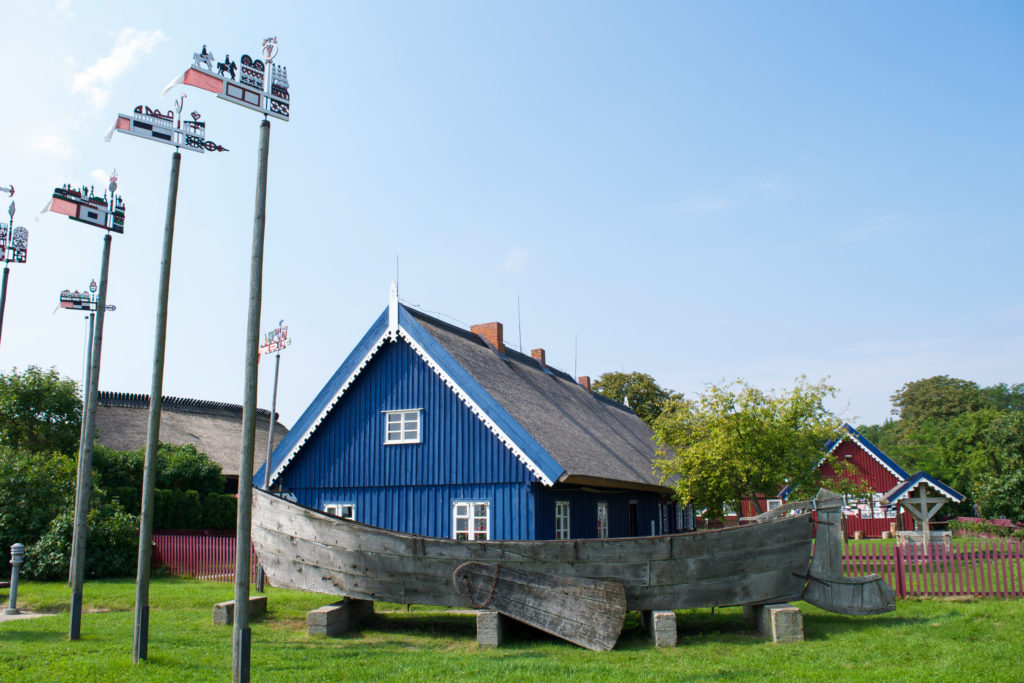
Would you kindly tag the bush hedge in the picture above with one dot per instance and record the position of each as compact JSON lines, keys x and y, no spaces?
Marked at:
{"x":112,"y":545}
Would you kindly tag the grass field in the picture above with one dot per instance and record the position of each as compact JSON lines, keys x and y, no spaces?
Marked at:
{"x":924,"y":640}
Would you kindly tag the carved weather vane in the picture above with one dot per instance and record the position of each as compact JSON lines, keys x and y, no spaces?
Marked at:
{"x":276,"y":340}
{"x":259,"y":84}
{"x":83,"y":204}
{"x":167,"y":127}
{"x":13,"y":241}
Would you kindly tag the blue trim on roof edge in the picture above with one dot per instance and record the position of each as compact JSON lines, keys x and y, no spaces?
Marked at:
{"x":326,"y":395}
{"x":876,"y":452}
{"x":508,"y":424}
{"x":923,"y":476}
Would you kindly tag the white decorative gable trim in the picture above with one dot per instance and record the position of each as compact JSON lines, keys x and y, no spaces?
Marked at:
{"x":854,"y":439}
{"x":476,"y":410}
{"x":320,"y":418}
{"x":392,"y":334}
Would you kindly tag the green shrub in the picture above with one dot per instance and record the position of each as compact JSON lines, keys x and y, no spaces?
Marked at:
{"x":219,"y":511}
{"x":177,"y":467}
{"x":176,"y":509}
{"x":111,"y":545}
{"x":34,"y":488}
{"x":129,"y":497}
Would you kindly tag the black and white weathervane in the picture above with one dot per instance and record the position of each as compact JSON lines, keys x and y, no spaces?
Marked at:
{"x":169,"y":128}
{"x":84,"y":205}
{"x":260,"y":85}
{"x":13,"y":247}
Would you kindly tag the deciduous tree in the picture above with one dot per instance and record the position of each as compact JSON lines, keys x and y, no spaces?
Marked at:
{"x":40,"y":411}
{"x":645,"y":396}
{"x":734,"y":441}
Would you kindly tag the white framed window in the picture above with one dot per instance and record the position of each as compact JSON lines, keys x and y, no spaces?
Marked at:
{"x":471,"y":520}
{"x":773,"y":503}
{"x":561,"y":520}
{"x":602,"y":519}
{"x":402,"y":426}
{"x":343,"y":510}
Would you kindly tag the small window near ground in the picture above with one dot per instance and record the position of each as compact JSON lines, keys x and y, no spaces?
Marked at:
{"x":343,"y":510}
{"x":561,"y":520}
{"x":471,"y":520}
{"x":602,"y":519}
{"x":401,"y":426}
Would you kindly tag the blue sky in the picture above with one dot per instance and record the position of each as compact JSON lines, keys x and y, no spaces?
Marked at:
{"x":700,"y":191}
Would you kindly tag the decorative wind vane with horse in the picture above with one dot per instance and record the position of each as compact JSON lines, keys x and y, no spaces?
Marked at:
{"x":259,"y":84}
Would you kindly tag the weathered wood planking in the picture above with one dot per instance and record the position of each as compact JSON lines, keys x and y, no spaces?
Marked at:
{"x":309,"y":550}
{"x":827,"y":588}
{"x":583,"y":611}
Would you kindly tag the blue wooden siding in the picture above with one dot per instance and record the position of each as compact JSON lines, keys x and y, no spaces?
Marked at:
{"x":409,"y":487}
{"x":651,"y":507}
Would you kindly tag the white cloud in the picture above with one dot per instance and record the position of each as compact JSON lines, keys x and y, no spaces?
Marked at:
{"x":63,"y":8}
{"x":52,"y":145}
{"x":886,"y":223}
{"x":99,"y":177}
{"x":515,"y":260}
{"x":95,"y":80}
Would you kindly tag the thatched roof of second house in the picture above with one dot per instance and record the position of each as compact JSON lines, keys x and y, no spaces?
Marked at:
{"x":122,"y":422}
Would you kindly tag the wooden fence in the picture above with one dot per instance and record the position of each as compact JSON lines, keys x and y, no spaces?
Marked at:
{"x":199,"y":554}
{"x":985,"y":569}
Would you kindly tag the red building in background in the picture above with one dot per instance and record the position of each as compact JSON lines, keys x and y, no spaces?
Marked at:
{"x":875,"y":470}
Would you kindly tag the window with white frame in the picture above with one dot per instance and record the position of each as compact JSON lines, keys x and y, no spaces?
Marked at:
{"x":773,"y":503}
{"x":602,"y":519}
{"x":471,"y":520}
{"x":401,"y":426}
{"x":561,"y":520}
{"x":343,"y":510}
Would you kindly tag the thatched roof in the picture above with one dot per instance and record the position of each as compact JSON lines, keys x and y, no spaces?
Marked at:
{"x":122,"y":423}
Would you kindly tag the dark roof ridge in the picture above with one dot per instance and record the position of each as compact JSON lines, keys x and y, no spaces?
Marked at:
{"x":117,"y":399}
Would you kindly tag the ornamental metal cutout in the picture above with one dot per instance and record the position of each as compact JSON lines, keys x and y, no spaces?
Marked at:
{"x":259,"y":84}
{"x":14,"y":240}
{"x":275,"y":340}
{"x":82,"y":204}
{"x":169,"y":128}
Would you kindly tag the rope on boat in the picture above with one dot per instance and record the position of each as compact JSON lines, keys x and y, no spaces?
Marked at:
{"x":490,"y":593}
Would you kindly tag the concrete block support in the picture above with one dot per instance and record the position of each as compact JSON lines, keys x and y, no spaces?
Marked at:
{"x":224,"y":612}
{"x":338,"y":617}
{"x":780,"y":623}
{"x":490,"y":628}
{"x":660,"y":626}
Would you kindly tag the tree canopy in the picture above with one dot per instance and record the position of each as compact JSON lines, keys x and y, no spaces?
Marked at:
{"x":40,"y":411}
{"x":643,"y":394}
{"x":735,"y":441}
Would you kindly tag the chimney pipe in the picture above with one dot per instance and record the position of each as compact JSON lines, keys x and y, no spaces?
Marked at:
{"x":492,"y":332}
{"x":585,"y":382}
{"x":539,"y":356}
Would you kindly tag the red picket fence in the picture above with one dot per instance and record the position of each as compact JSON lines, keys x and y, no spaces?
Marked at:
{"x":205,"y":555}
{"x":987,"y":569}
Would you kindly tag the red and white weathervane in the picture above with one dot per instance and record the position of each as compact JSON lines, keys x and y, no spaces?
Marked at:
{"x":168,"y":128}
{"x":259,"y":84}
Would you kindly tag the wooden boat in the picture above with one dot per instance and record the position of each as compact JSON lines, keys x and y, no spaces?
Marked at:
{"x":768,"y":561}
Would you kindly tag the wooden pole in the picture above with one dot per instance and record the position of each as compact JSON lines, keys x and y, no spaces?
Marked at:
{"x":140,"y":633}
{"x":3,"y":294}
{"x":81,"y":432}
{"x":260,"y":578}
{"x":85,"y":459}
{"x":240,"y":641}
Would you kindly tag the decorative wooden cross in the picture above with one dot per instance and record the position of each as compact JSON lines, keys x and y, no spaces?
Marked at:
{"x":923,"y":507}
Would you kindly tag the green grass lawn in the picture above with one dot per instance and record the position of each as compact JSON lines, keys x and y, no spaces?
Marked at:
{"x":923,"y":640}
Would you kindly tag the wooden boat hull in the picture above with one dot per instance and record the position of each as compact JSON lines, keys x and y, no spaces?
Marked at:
{"x":586,"y":612}
{"x":306,"y":549}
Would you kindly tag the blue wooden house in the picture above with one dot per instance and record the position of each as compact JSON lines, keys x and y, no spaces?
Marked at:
{"x":432,"y":429}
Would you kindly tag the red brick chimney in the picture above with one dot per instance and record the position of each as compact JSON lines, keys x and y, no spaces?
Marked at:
{"x":538,"y":355}
{"x":585,"y":382}
{"x":492,"y":332}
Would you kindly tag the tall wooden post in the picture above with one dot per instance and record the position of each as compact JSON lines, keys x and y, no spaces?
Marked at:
{"x":81,"y":432}
{"x":140,"y":633}
{"x":260,"y":577}
{"x":240,"y":641}
{"x":3,"y":296}
{"x":84,"y":484}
